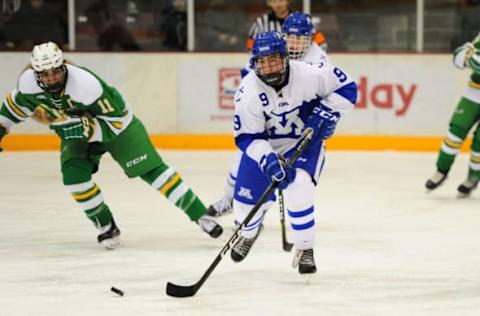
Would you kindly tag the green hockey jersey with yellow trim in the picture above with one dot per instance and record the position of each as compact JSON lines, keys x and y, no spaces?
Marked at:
{"x":461,"y":54}
{"x":85,"y":95}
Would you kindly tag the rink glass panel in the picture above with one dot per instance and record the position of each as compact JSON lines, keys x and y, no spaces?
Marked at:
{"x":367,"y":25}
{"x":450,"y":23}
{"x":120,"y":25}
{"x":224,"y":25}
{"x":221,"y":25}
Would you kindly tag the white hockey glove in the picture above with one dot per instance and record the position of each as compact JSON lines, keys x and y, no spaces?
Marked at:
{"x":462,"y":54}
{"x":473,"y":61}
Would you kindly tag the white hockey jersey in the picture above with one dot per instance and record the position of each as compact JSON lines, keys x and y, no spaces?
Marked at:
{"x":266,"y":120}
{"x":315,"y":55}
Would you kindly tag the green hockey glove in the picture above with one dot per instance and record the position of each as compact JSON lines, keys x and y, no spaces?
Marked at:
{"x":74,"y":128}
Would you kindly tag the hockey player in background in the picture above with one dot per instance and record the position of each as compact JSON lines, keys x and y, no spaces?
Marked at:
{"x":92,"y":118}
{"x":273,"y":106}
{"x":466,"y":115}
{"x":274,"y":20}
{"x":298,"y":32}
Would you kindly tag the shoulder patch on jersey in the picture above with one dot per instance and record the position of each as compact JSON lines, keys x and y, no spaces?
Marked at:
{"x":82,"y":86}
{"x":248,"y":91}
{"x":27,"y":84}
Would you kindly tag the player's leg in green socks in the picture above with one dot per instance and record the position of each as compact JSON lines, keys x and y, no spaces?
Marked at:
{"x":471,"y":183}
{"x":461,"y":122}
{"x":170,"y":184}
{"x":77,"y":178}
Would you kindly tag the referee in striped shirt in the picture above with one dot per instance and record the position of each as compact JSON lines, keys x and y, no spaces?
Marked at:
{"x":273,"y":21}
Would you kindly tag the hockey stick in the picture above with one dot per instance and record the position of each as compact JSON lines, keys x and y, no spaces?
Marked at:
{"x":285,"y":244}
{"x":190,"y":290}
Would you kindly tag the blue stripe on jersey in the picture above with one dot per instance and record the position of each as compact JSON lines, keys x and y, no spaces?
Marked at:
{"x":232,"y":176}
{"x":297,"y":214}
{"x":244,"y":140}
{"x":349,"y":92}
{"x":303,"y":226}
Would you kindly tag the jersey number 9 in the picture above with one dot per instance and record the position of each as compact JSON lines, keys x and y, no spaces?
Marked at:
{"x":263,"y":97}
{"x":340,"y":74}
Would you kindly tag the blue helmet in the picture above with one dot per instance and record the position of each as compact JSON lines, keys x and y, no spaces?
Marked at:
{"x":298,"y":30}
{"x":270,"y":44}
{"x":298,"y":24}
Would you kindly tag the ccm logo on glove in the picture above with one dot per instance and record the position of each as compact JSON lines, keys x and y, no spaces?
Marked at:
{"x":327,"y":115}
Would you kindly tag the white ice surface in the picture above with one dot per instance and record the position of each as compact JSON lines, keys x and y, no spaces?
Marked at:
{"x":383,"y":247}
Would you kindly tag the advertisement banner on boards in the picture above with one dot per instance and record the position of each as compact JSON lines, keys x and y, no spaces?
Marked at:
{"x":397,"y":94}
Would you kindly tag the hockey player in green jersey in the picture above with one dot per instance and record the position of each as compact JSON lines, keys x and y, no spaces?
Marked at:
{"x":91,"y":118}
{"x":465,"y":117}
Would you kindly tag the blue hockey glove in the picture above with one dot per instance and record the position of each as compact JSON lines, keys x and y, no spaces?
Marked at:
{"x":74,"y":128}
{"x":3,"y":132}
{"x":273,"y":168}
{"x":323,"y":122}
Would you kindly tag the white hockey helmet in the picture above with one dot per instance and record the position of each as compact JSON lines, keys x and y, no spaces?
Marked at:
{"x":49,"y":67}
{"x":46,"y":56}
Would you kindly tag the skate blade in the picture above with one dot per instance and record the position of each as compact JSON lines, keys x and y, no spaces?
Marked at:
{"x":307,"y":278}
{"x":112,"y":243}
{"x":429,"y":190}
{"x":462,"y":195}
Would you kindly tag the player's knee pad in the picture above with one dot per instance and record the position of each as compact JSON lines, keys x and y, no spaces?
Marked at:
{"x":153,"y":174}
{"x":458,"y":131}
{"x":241,"y":212}
{"x":300,"y":193}
{"x":76,"y":171}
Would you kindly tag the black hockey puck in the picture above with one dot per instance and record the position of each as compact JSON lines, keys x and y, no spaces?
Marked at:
{"x":117,"y":291}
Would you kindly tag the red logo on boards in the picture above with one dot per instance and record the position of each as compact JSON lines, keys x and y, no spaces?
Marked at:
{"x":386,"y":96}
{"x":228,"y":82}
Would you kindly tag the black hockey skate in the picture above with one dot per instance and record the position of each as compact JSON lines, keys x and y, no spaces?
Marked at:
{"x":110,"y":236}
{"x":304,"y":261}
{"x":436,"y":180}
{"x":243,"y":245}
{"x":222,"y":207}
{"x":208,"y":225}
{"x":467,"y":187}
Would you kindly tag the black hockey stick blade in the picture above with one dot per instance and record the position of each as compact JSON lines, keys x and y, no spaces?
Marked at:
{"x":190,"y":290}
{"x":287,"y":246}
{"x":181,"y":291}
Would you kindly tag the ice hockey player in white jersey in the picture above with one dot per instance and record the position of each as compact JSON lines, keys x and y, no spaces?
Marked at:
{"x":298,"y":31}
{"x":273,"y":106}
